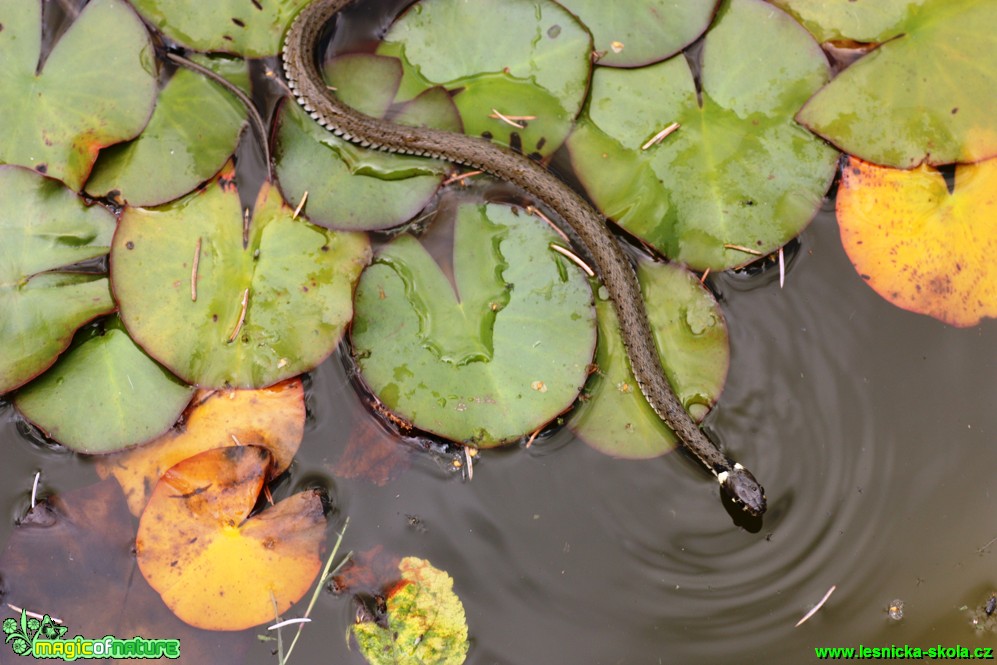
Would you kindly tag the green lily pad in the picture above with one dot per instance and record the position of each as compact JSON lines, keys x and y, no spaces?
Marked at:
{"x":45,"y":227}
{"x":269,"y":305}
{"x":830,"y":20}
{"x":356,"y":188}
{"x":489,"y":358}
{"x":250,"y":28}
{"x":739,"y":173}
{"x":525,"y":59}
{"x":426,"y":621}
{"x":192,"y":133}
{"x":639,"y":32}
{"x":692,"y":342}
{"x":104,"y":394}
{"x":919,"y":98}
{"x":92,"y":91}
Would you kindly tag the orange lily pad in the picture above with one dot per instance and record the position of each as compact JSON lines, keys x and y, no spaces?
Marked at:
{"x":212,"y":563}
{"x":71,"y":557}
{"x":273,"y":418}
{"x":919,"y":246}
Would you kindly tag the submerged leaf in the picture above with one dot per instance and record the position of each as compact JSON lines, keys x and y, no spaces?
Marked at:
{"x":216,"y":566}
{"x":492,"y":356}
{"x":44,"y":228}
{"x":691,"y":335}
{"x":55,"y":120}
{"x":272,"y":298}
{"x":104,"y":394}
{"x":920,"y":247}
{"x":426,"y":622}
{"x":920,"y":97}
{"x":272,"y":418}
{"x":738,"y":173}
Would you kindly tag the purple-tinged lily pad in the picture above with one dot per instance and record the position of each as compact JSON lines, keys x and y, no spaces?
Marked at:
{"x":226,"y":300}
{"x":44,"y":228}
{"x":91,"y":92}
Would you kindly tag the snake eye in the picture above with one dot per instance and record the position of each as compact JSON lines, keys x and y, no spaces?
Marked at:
{"x":742,"y":488}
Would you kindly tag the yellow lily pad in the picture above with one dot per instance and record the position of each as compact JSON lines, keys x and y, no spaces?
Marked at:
{"x":919,"y":246}
{"x":216,"y":567}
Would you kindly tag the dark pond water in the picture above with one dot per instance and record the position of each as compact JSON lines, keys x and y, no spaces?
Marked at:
{"x":873,"y":430}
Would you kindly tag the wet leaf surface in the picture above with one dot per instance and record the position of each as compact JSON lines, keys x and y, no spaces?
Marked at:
{"x":104,"y":394}
{"x":55,"y":120}
{"x":44,"y":227}
{"x":535,"y":67}
{"x":918,"y":246}
{"x":72,"y":557}
{"x":192,"y":133}
{"x":236,"y":333}
{"x":918,"y":97}
{"x":249,"y":28}
{"x":739,"y":172}
{"x":874,"y":21}
{"x":213,"y":564}
{"x":425,"y":621}
{"x":493,"y":355}
{"x":272,"y":418}
{"x":691,"y":334}
{"x":639,"y":32}
{"x":355,"y":188}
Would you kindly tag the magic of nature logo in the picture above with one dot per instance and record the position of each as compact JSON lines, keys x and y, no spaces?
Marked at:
{"x":44,"y":637}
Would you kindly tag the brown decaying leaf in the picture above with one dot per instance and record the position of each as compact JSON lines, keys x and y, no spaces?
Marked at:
{"x":368,"y":572}
{"x":372,"y":454}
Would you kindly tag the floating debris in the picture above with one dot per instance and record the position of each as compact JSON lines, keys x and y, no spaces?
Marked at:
{"x":816,"y":607}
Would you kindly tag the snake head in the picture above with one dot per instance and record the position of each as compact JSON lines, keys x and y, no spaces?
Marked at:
{"x":742,"y":488}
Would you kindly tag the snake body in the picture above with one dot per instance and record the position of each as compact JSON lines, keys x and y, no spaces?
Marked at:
{"x":590,"y":229}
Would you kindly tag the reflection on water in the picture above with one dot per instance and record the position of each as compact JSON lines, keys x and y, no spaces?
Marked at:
{"x":871,"y":429}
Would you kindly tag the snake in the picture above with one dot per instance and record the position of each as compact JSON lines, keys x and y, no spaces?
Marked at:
{"x":589,"y":227}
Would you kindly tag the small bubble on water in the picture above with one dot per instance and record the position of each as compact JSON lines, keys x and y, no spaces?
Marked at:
{"x":896,"y":610}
